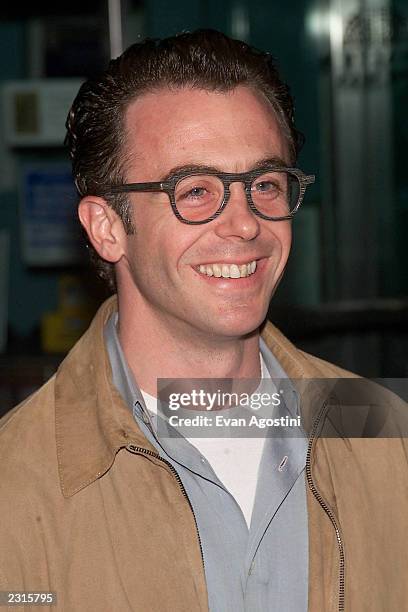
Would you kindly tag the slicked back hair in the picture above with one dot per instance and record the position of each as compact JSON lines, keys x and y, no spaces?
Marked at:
{"x":204,"y":59}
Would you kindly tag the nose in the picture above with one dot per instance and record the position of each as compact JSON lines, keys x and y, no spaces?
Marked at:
{"x":237,"y":220}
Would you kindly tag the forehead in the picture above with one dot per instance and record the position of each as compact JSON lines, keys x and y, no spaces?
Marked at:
{"x":168,"y":128}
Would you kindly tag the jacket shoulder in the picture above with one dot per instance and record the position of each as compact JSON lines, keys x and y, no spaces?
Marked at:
{"x":298,"y":363}
{"x":327,"y":369}
{"x":27,"y":433}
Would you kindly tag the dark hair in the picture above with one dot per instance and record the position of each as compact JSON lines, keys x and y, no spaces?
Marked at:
{"x":204,"y":59}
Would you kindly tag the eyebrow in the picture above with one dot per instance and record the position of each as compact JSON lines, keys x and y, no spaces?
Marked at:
{"x":200,"y":168}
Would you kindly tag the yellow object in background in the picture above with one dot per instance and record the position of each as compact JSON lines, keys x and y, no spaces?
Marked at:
{"x":62,"y":328}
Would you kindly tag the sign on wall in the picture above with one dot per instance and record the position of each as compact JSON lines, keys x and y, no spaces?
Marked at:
{"x":50,"y":230}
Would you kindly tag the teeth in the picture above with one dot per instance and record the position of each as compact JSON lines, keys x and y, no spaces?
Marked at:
{"x":228,"y":271}
{"x":234,"y":271}
{"x":225,"y":271}
{"x":216,"y":269}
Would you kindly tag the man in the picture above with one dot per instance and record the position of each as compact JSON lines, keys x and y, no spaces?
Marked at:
{"x":184,"y":156}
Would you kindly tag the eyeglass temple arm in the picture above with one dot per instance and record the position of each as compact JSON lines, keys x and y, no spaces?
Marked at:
{"x":129,"y":187}
{"x":309,"y":179}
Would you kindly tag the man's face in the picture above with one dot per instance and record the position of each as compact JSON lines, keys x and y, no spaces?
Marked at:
{"x":230,"y":131}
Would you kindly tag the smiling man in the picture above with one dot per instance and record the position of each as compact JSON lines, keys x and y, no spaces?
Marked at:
{"x":184,"y":155}
{"x":200,"y":289}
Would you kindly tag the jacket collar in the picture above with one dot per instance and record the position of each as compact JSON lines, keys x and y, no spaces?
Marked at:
{"x":92,"y":420}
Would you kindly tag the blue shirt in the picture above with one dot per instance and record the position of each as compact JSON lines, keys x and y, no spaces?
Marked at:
{"x":261,"y":569}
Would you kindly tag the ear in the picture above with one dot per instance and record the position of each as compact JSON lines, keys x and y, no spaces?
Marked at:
{"x":104,"y":227}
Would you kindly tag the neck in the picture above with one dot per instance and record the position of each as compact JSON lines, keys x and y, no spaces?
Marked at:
{"x":157,"y":345}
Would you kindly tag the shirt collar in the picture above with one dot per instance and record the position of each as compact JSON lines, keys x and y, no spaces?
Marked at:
{"x":123,"y":378}
{"x":126,"y":384}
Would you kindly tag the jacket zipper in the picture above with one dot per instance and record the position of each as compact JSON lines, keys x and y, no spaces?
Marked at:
{"x":325,"y":507}
{"x":144,"y":451}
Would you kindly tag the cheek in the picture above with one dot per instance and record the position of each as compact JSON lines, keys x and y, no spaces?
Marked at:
{"x":286,"y":243}
{"x":157,"y":251}
{"x":281,"y":235}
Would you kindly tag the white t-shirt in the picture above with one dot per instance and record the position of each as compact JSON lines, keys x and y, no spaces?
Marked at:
{"x":235,"y":461}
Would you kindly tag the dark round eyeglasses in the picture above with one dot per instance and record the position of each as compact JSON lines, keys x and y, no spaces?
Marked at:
{"x":273,"y":193}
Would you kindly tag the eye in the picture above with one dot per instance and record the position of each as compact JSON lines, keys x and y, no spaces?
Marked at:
{"x":266,"y":186}
{"x":195,"y":192}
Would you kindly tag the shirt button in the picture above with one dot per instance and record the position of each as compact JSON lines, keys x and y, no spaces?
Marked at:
{"x":203,"y":460}
{"x":283,"y":463}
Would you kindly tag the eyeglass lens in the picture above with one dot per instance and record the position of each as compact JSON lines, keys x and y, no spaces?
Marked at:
{"x":274,"y":194}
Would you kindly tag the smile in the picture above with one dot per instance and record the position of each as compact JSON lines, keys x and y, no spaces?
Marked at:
{"x":228,"y":270}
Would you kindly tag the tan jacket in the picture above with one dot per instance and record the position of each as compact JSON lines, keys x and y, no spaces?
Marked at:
{"x":89,"y":510}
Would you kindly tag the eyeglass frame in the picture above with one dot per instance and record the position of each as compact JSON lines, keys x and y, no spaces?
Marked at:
{"x":169,"y":186}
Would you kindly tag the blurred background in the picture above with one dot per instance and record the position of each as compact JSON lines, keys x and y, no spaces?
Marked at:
{"x":345,"y":293}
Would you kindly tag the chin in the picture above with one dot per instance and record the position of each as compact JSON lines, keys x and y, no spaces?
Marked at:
{"x":238,"y":327}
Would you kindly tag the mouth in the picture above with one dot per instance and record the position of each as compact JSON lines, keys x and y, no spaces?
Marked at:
{"x":230,"y":270}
